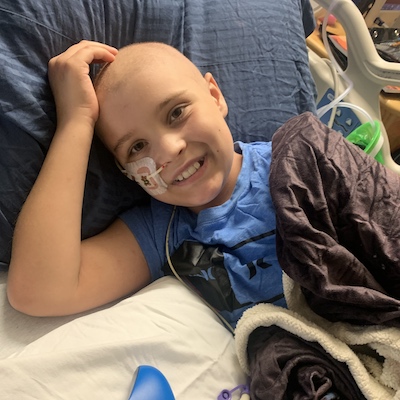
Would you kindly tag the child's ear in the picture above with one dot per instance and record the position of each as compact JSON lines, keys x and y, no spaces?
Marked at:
{"x":216,"y":93}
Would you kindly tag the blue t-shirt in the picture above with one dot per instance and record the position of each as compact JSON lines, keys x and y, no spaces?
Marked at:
{"x":227,"y":252}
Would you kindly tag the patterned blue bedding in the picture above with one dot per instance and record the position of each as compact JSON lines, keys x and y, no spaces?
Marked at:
{"x":255,"y":49}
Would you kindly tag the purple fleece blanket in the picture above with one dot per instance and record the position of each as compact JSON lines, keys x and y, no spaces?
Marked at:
{"x":338,"y":223}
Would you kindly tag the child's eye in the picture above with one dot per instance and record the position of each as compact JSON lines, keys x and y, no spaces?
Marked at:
{"x":138,"y":146}
{"x":176,"y":113}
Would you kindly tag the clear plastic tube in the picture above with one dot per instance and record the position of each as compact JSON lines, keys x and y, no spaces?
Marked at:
{"x":323,"y":110}
{"x":335,"y":90}
{"x":359,"y":109}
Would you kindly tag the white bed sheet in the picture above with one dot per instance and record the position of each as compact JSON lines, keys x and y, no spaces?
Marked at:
{"x":94,"y":355}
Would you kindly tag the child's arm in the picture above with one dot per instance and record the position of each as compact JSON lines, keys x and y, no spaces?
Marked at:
{"x":51,"y":271}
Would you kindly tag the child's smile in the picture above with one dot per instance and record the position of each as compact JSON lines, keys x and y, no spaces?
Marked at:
{"x":189,"y":172}
{"x":173,"y":115}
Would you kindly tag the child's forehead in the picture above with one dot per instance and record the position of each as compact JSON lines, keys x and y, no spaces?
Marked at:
{"x":151,"y":60}
{"x":160,"y":88}
{"x":138,"y":60}
{"x":164,"y":74}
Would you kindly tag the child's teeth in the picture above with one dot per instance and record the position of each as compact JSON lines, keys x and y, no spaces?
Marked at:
{"x":189,"y":172}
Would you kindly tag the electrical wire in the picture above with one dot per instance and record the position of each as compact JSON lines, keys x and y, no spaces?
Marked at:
{"x":223,"y":320}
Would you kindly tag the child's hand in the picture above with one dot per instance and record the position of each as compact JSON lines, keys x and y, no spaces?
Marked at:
{"x":71,"y":84}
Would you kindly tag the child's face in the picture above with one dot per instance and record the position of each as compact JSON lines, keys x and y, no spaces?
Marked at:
{"x":176,"y":118}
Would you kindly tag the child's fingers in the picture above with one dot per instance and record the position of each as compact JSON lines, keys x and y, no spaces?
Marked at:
{"x":87,"y":52}
{"x":87,"y":43}
{"x":90,"y":54}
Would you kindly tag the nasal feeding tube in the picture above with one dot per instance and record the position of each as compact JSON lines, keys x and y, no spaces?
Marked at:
{"x":146,"y":174}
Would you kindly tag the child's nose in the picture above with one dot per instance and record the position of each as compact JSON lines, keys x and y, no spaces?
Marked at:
{"x":170,"y":146}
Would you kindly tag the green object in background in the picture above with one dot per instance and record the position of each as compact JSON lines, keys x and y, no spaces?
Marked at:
{"x":368,"y":137}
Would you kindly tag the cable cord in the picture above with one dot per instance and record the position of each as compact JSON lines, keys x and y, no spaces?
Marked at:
{"x":223,"y":320}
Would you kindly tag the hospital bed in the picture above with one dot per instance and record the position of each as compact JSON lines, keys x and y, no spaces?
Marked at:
{"x":256,"y":51}
{"x":263,"y":72}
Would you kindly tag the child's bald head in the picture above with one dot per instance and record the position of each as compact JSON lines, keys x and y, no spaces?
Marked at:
{"x":143,"y":68}
{"x":143,"y":58}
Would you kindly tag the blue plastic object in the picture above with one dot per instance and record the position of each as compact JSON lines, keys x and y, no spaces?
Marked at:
{"x":150,"y":384}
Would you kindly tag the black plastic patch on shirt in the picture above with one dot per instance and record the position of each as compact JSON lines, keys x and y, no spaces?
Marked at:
{"x":203,"y":267}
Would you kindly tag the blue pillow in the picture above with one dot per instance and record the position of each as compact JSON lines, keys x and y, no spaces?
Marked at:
{"x":256,"y":51}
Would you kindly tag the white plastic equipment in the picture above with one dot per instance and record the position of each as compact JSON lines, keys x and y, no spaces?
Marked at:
{"x":368,"y":72}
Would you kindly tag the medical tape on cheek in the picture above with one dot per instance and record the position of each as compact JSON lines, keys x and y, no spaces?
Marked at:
{"x":146,"y":174}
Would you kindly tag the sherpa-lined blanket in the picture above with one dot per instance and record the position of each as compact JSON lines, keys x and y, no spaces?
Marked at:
{"x":338,"y":238}
{"x":369,"y":354}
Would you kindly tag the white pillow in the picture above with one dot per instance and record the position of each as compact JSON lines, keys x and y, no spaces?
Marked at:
{"x":95,"y":356}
